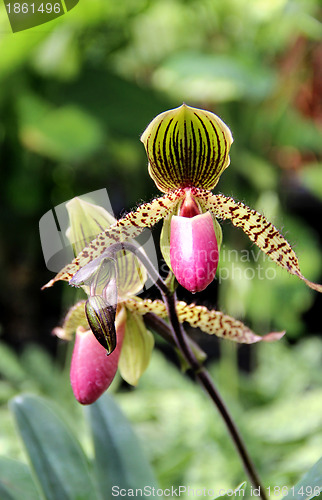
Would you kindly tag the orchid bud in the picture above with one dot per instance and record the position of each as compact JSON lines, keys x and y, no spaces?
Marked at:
{"x":101,"y":317}
{"x":193,"y":251}
{"x":92,"y":371}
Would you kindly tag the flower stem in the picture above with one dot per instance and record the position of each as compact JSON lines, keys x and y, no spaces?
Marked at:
{"x":176,"y":331}
{"x":204,"y":379}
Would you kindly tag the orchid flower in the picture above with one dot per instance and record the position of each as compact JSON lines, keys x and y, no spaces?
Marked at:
{"x":188,"y":149}
{"x":102,"y":325}
{"x":109,"y":329}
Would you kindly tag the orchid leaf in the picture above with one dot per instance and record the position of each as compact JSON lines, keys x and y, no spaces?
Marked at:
{"x":16,"y":481}
{"x":309,"y":486}
{"x":239,"y":491}
{"x":56,"y":456}
{"x":125,"y":465}
{"x":262,"y":232}
{"x":211,"y":322}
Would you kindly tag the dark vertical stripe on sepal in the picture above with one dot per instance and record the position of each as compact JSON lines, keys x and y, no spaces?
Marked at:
{"x":187,"y":147}
{"x":101,"y":319}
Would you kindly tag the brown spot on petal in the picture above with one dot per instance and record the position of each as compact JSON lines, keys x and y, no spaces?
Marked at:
{"x":257,"y":228}
{"x":130,"y":226}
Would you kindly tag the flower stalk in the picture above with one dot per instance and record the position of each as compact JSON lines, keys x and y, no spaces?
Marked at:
{"x":204,"y":379}
{"x":177,"y":332}
{"x":188,"y":150}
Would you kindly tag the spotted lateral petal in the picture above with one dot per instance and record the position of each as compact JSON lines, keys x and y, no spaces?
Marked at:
{"x":257,"y":228}
{"x":74,"y":318}
{"x":187,"y":147}
{"x":86,"y":221}
{"x":212,"y":322}
{"x":126,"y":228}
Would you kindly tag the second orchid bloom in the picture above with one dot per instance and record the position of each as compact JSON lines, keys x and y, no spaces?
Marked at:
{"x":109,"y":327}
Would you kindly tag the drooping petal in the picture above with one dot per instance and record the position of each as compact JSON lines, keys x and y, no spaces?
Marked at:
{"x":187,"y":147}
{"x":258,"y":229}
{"x":131,"y":274}
{"x":193,"y":251}
{"x":92,"y":371}
{"x":74,"y":318}
{"x":129,"y":226}
{"x":209,"y":321}
{"x":137,"y":348}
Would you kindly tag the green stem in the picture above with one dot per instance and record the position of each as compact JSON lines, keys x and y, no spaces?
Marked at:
{"x":176,"y":330}
{"x":204,"y":379}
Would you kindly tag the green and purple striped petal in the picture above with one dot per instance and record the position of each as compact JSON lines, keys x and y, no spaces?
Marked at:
{"x":187,"y":147}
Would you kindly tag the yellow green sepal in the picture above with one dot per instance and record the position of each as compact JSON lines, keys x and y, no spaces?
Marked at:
{"x":187,"y":147}
{"x":86,"y":222}
{"x":136,"y":351}
{"x":75,"y":318}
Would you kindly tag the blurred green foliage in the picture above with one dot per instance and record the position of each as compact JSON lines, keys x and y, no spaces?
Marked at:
{"x":277,"y":407}
{"x":75,"y":94}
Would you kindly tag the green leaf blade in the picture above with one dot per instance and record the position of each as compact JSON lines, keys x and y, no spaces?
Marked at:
{"x":238,"y":492}
{"x":309,"y":486}
{"x":16,"y":481}
{"x":56,"y":457}
{"x":119,"y":459}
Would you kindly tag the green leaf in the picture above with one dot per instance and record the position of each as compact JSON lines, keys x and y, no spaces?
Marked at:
{"x":119,"y":459}
{"x":11,"y":368}
{"x":240,"y":488}
{"x":16,"y":481}
{"x":67,"y":133}
{"x":56,"y":457}
{"x":309,"y":486}
{"x":224,"y":77}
